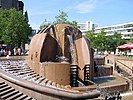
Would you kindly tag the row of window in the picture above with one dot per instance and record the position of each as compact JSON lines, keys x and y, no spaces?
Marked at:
{"x":128,"y":35}
{"x":116,"y":27}
{"x":119,"y":31}
{"x":82,"y":26}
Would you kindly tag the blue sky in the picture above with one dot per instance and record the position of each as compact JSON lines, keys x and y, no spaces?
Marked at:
{"x":101,"y":12}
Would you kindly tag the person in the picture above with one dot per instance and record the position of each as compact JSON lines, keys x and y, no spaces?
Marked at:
{"x":14,"y":51}
{"x":19,"y":51}
{"x":7,"y":52}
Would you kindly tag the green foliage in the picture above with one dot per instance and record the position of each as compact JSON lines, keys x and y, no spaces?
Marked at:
{"x":97,"y":41}
{"x":62,"y":18}
{"x":114,"y":41}
{"x":14,"y":29}
{"x":131,"y":38}
{"x":92,"y":38}
{"x":101,"y":42}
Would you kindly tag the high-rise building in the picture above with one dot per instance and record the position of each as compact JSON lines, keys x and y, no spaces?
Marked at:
{"x":8,"y":4}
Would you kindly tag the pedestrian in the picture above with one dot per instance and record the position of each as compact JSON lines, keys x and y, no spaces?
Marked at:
{"x":16,"y":52}
{"x":19,"y":51}
{"x":7,"y":52}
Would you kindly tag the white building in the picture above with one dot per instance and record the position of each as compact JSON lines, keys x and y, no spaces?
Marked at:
{"x":126,"y":29}
{"x":85,"y":27}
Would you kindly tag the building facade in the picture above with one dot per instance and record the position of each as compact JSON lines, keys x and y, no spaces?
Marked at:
{"x":8,"y":4}
{"x":125,"y":29}
{"x":87,"y":26}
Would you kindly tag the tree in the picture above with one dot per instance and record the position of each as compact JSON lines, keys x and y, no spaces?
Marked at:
{"x":62,"y":18}
{"x":92,"y":37}
{"x":110,"y":43}
{"x":97,"y":40}
{"x":114,"y":41}
{"x":14,"y":28}
{"x":101,"y":42}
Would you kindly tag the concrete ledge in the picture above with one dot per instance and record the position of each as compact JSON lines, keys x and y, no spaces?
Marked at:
{"x":121,"y":87}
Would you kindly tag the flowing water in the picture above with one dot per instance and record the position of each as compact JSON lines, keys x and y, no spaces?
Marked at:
{"x":71,"y":47}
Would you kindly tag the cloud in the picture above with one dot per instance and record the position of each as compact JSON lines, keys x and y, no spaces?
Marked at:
{"x":83,"y":7}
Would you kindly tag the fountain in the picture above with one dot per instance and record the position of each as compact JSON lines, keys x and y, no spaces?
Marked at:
{"x":60,"y":41}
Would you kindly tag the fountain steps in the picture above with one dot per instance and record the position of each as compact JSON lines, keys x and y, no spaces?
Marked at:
{"x":9,"y":93}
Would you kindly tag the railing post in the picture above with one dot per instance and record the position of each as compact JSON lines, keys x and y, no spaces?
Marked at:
{"x":86,"y":73}
{"x":74,"y":75}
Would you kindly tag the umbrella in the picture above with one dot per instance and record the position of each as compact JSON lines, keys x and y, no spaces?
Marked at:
{"x":131,"y":46}
{"x":126,"y":46}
